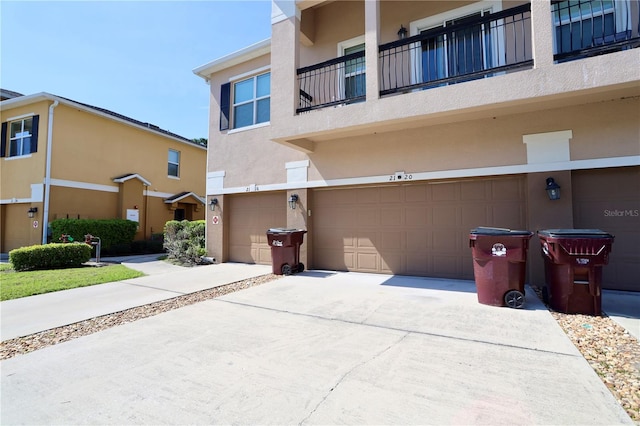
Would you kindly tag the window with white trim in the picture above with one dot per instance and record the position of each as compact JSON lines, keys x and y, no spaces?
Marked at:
{"x":353,"y":81}
{"x":467,"y":50}
{"x":20,"y":137}
{"x":174,"y":163}
{"x":580,"y":24}
{"x":252,"y":101}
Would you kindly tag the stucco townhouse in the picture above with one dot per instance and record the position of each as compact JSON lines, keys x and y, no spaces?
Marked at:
{"x":389,"y":129}
{"x":61,"y":158}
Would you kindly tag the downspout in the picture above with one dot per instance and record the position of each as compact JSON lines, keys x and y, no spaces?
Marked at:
{"x":47,"y":175}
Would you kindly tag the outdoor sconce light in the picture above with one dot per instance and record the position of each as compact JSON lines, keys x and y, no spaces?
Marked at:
{"x":213,"y":203}
{"x":402,"y":33}
{"x":292,"y":201}
{"x":32,"y":211}
{"x":553,"y":189}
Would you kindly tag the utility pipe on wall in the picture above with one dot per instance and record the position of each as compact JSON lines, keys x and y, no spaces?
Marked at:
{"x":47,"y":175}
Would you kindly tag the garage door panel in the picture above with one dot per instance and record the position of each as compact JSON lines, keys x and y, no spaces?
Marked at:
{"x":416,"y":229}
{"x":368,"y":196}
{"x":416,"y":217}
{"x":391,"y":262}
{"x":251,"y":216}
{"x":609,"y":199}
{"x":367,"y":239}
{"x":390,"y":195}
{"x":473,"y":190}
{"x":368,"y":261}
{"x":474,"y":216}
{"x":446,"y":266}
{"x":392,"y":240}
{"x":444,"y":192}
{"x":418,"y":264}
{"x":418,"y":241}
{"x":331,"y":217}
{"x":415,"y":194}
{"x":444,"y":240}
{"x":445,"y":215}
{"x":506,"y":216}
{"x":505,"y":189}
{"x":368,"y":218}
{"x":391,"y":217}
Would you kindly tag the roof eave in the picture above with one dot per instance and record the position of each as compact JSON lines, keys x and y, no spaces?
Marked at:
{"x":43,"y":96}
{"x":243,"y":55}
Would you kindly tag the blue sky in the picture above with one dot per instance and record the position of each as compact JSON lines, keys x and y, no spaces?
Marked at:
{"x":132,"y":57}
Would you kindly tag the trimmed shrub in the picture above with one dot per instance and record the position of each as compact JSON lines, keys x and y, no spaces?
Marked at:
{"x":50,"y":256}
{"x":184,"y":241}
{"x":111,"y":231}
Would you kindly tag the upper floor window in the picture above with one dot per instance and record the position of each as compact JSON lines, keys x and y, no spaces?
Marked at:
{"x":174,"y":163}
{"x":581,"y":24}
{"x":251,"y":101}
{"x":470,"y":47}
{"x":248,"y":104}
{"x":21,"y":135}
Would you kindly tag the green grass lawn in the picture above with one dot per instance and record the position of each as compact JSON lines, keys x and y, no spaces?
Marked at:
{"x":14,"y":285}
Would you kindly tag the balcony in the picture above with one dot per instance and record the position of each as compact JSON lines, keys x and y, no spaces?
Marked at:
{"x":473,"y":47}
{"x":590,"y":28}
{"x":335,"y":82}
{"x":467,"y":49}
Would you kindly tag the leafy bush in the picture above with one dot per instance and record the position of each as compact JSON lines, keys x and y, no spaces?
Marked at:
{"x":184,"y":241}
{"x":50,"y":256}
{"x":112,"y":232}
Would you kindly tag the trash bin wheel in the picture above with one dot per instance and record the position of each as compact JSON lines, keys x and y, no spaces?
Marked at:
{"x":514,"y":299}
{"x":300,"y":267}
{"x":286,"y":269}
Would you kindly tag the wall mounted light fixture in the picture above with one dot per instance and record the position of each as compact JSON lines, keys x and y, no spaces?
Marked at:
{"x":32,"y":211}
{"x":293,"y":200}
{"x":213,"y":203}
{"x":402,"y":32}
{"x":553,"y":189}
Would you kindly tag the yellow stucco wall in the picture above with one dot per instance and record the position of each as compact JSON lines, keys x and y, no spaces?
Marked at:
{"x":88,"y":152}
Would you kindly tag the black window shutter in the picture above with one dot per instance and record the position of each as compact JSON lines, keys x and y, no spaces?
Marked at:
{"x":225,"y":105}
{"x":3,"y":143}
{"x":34,"y":133}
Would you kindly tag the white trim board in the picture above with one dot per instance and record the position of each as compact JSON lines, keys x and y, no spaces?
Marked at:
{"x":598,"y":163}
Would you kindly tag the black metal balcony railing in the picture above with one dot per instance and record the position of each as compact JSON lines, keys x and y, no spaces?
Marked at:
{"x":464,"y":50}
{"x":593,"y":27}
{"x":471,"y":48}
{"x":335,"y":82}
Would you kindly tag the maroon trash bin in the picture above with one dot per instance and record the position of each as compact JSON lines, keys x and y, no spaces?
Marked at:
{"x":573,"y":262}
{"x":499,"y":265}
{"x":285,"y":250}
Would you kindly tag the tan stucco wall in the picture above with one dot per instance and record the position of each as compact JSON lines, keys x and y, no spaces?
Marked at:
{"x":602,"y":130}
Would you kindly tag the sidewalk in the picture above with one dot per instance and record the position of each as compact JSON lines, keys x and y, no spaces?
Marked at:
{"x":28,"y":315}
{"x":21,"y":317}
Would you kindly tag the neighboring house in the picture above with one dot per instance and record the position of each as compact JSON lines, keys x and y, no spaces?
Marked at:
{"x":66,"y":159}
{"x":402,"y":125}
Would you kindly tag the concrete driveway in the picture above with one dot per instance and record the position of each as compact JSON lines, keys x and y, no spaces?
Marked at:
{"x":318,"y":348}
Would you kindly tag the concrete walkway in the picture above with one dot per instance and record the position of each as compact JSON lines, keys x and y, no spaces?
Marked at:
{"x":28,"y":315}
{"x":317,"y":348}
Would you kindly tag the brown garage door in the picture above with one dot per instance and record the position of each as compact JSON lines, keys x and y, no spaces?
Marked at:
{"x":609,"y":199}
{"x":249,"y":218}
{"x":415,"y":229}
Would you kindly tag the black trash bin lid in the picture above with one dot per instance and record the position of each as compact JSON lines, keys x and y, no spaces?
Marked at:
{"x":283,"y":230}
{"x":574,"y":233}
{"x":483,"y":230}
